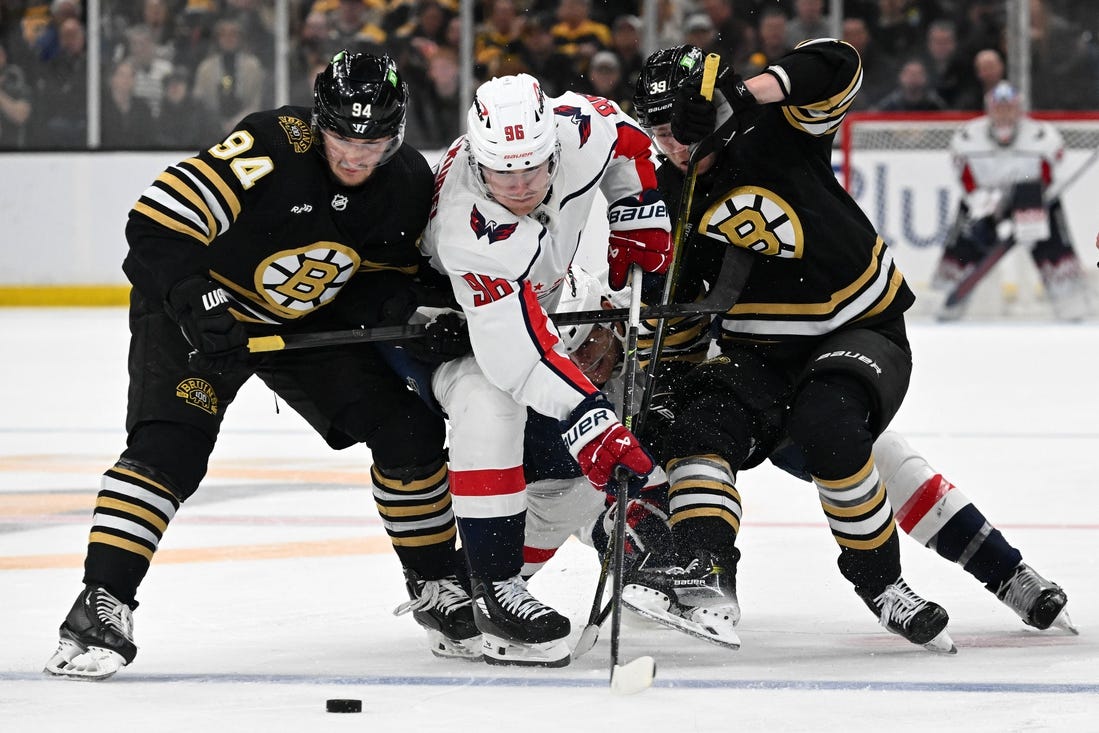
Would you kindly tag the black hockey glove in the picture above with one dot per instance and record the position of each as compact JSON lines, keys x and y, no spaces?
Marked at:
{"x":445,"y":339}
{"x":693,"y":117}
{"x":201,"y":308}
{"x":388,"y":298}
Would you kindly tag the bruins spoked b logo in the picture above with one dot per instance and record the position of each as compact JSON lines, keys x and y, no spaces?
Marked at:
{"x":757,"y":219}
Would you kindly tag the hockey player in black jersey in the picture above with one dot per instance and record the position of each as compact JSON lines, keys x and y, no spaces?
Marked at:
{"x":300,"y":220}
{"x":814,"y":352}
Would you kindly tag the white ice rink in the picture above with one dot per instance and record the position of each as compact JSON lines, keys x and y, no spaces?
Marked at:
{"x":273,"y":589}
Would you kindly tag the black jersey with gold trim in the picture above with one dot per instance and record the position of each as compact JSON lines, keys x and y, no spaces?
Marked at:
{"x":772,"y":190}
{"x":261,"y":214}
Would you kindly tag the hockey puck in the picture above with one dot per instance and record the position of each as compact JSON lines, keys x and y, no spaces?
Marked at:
{"x":344,"y":706}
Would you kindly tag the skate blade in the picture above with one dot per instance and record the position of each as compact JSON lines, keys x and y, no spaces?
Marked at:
{"x":92,"y":664}
{"x":941,"y":644}
{"x":633,"y":677}
{"x":498,"y":651}
{"x":712,"y":630}
{"x":446,"y":648}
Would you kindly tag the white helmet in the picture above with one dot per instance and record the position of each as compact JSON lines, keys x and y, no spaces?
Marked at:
{"x":510,"y":127}
{"x":581,"y":291}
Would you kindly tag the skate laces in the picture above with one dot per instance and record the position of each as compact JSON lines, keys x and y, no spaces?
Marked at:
{"x":899,"y":605}
{"x":113,"y":613}
{"x":446,"y":594}
{"x":1022,"y":589}
{"x":513,"y":595}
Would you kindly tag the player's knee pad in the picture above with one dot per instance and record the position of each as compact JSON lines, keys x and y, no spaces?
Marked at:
{"x":171,"y":454}
{"x":879,"y":359}
{"x":486,"y":423}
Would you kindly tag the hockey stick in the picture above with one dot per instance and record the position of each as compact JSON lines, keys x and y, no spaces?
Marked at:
{"x":969,"y":283}
{"x":637,"y":675}
{"x":719,"y":299}
{"x":681,"y":234}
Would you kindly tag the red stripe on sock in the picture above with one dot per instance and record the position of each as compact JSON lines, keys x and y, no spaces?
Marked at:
{"x":920,"y":503}
{"x":537,"y":554}
{"x":487,"y":481}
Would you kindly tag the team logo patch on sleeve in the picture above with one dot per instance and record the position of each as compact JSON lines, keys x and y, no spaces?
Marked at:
{"x":483,"y":227}
{"x":581,"y":120}
{"x":198,"y":393}
{"x":297,"y":132}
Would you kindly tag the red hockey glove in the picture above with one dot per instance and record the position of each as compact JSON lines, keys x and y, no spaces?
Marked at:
{"x":600,"y":443}
{"x":201,"y":308}
{"x":649,"y":248}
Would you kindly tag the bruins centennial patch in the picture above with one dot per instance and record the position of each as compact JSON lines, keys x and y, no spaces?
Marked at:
{"x":198,"y":393}
{"x":297,"y":132}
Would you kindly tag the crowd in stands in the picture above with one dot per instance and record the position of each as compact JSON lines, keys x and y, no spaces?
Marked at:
{"x":177,"y":73}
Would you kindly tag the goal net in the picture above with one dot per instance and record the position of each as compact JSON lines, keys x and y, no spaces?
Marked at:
{"x":899,"y":169}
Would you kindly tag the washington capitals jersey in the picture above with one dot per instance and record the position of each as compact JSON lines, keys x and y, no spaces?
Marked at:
{"x":261,"y":214}
{"x":1033,"y":155}
{"x":506,"y":271}
{"x":821,"y":265}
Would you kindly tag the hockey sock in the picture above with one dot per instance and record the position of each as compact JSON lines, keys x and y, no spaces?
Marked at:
{"x":704,"y":505}
{"x":415,"y":507}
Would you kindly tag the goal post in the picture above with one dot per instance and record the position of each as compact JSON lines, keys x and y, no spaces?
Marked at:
{"x":898,"y":167}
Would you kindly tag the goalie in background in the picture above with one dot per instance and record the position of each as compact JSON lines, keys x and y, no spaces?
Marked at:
{"x":1008,"y":165}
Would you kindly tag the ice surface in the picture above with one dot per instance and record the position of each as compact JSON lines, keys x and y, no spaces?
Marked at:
{"x":273,"y":589}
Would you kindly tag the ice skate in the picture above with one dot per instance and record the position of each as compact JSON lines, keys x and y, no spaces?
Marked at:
{"x":697,"y":596}
{"x":516,"y":627}
{"x":1038,"y":602}
{"x":445,"y":610}
{"x":97,"y":637}
{"x":920,"y":621}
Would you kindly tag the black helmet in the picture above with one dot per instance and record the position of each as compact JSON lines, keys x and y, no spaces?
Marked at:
{"x":360,"y":95}
{"x":661,"y":75}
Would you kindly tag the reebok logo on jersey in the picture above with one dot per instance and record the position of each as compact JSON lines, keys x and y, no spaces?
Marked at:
{"x":301,"y":209}
{"x":581,"y":120}
{"x":213,"y":299}
{"x":495,"y":232}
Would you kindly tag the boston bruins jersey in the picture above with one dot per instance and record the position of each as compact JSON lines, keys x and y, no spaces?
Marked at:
{"x":821,"y":265}
{"x":261,"y":214}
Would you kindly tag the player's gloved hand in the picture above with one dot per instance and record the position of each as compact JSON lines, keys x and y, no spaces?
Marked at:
{"x":640,"y":234}
{"x":600,"y":444}
{"x":389,"y":298}
{"x":445,"y":338}
{"x":647,"y":527}
{"x":694,"y":117}
{"x":201,"y":308}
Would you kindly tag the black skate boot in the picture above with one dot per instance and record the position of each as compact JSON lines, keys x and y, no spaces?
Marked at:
{"x":97,"y":637}
{"x":1037,"y":601}
{"x":696,"y":595}
{"x":517,"y":627}
{"x":904,"y":613}
{"x":445,"y":610}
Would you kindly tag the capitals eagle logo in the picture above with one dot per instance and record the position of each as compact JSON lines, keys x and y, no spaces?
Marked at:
{"x":495,"y":232}
{"x":581,"y":120}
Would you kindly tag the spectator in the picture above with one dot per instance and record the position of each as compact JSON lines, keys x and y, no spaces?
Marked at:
{"x":156,"y":15}
{"x":605,"y":80}
{"x":981,"y":25}
{"x":897,"y":31}
{"x":183,"y":125}
{"x":879,"y":70}
{"x":913,"y":92}
{"x":626,"y":45}
{"x":354,"y":29}
{"x":542,"y":60}
{"x":193,"y":37}
{"x":125,"y":119}
{"x":61,"y":121}
{"x":1063,"y":71}
{"x":315,"y":46}
{"x":989,"y":70}
{"x":229,"y":82}
{"x":435,"y":116}
{"x":150,"y":70}
{"x":699,"y":31}
{"x":736,"y":39}
{"x":671,"y":17}
{"x":578,"y":36}
{"x":256,"y":23}
{"x":501,"y":33}
{"x":15,"y":104}
{"x":772,"y":41}
{"x":808,"y":22}
{"x":48,"y":43}
{"x":947,"y":71}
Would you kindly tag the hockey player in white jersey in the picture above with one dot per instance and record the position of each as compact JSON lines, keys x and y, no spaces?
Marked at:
{"x":511,"y":199}
{"x":1008,"y":165}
